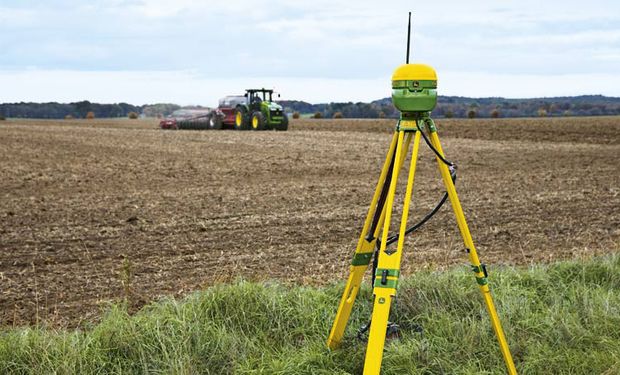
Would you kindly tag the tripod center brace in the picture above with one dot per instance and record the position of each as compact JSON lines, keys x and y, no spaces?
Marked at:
{"x":414,"y":94}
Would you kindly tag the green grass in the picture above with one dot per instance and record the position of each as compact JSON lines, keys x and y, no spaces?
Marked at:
{"x":562,"y":319}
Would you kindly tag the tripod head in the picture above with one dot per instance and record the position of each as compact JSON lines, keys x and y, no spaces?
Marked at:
{"x":414,"y":86}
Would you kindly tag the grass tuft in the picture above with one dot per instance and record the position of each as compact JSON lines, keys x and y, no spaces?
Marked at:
{"x":561,"y":318}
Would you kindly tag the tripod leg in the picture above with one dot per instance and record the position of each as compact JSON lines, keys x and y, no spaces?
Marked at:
{"x":480,"y":270}
{"x":366,"y":244}
{"x":388,"y":270}
{"x":363,"y":254}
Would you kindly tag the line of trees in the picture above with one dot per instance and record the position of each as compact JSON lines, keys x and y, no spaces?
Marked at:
{"x":82,"y":109}
{"x":447,"y":106}
{"x":462,"y":107}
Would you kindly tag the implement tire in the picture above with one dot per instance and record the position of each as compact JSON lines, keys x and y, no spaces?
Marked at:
{"x":215,"y":122}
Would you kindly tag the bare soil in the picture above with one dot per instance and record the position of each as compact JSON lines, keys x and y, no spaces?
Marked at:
{"x":111,"y":210}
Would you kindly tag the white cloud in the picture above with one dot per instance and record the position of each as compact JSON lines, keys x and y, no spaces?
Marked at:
{"x":575,"y":39}
{"x":611,"y":55}
{"x":290,"y":44}
{"x":186,"y":87}
{"x":16,"y":17}
{"x":181,"y":87}
{"x":527,"y":85}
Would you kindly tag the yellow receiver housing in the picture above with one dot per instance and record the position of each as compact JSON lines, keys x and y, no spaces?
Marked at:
{"x":414,"y":88}
{"x":414,"y":72}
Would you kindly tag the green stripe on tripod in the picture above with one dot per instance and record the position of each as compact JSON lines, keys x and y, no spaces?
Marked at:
{"x":482,"y":281}
{"x":390,"y":283}
{"x":390,"y":272}
{"x":361,"y":259}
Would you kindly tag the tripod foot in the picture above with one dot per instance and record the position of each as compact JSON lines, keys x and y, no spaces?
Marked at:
{"x":392,"y":331}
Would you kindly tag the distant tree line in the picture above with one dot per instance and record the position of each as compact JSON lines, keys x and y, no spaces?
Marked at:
{"x":448,"y":106}
{"x":376,"y":109}
{"x":81,"y":109}
{"x":462,"y":107}
{"x":161,"y":109}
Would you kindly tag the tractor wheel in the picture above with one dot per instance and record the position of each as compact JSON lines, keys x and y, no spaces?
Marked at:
{"x":258,"y":121}
{"x":284,"y":124}
{"x":241,"y":120}
{"x":215,"y":122}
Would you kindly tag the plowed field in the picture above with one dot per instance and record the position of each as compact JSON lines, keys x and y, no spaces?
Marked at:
{"x":106,"y":210}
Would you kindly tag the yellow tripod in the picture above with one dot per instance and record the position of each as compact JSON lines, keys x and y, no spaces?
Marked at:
{"x":388,"y":268}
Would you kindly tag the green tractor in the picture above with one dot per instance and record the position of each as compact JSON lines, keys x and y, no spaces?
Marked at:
{"x":259,"y":112}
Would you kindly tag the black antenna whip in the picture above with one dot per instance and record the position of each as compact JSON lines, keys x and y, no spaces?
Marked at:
{"x":408,"y":37}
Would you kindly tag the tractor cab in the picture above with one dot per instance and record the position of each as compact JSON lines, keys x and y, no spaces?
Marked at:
{"x":256,"y":96}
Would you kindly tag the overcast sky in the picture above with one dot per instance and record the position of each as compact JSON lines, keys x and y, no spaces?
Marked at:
{"x":193,"y":52}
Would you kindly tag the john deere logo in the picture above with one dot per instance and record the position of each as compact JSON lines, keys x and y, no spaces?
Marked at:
{"x":381,"y":300}
{"x":416,"y":84}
